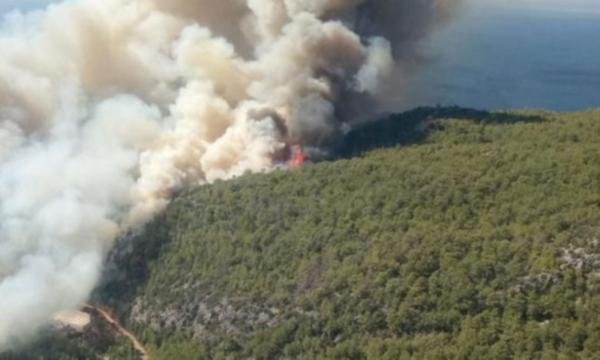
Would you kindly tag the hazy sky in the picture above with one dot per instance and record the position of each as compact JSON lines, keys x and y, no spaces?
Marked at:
{"x":563,"y":5}
{"x":7,"y":5}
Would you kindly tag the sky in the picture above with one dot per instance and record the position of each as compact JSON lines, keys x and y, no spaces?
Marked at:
{"x":555,"y":5}
{"x":7,"y":5}
{"x":501,"y":54}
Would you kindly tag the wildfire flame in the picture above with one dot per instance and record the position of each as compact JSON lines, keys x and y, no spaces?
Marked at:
{"x":298,"y":157}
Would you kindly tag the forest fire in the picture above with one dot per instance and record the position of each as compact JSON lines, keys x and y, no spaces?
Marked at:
{"x":198,"y":91}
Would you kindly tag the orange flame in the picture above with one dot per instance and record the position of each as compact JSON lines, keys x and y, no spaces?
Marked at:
{"x":298,"y":157}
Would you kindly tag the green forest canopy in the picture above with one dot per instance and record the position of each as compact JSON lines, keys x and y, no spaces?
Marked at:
{"x":443,"y":234}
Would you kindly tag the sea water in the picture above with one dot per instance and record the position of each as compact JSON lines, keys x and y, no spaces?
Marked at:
{"x":512,"y":58}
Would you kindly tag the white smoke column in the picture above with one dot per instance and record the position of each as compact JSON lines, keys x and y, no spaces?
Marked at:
{"x":109,"y":106}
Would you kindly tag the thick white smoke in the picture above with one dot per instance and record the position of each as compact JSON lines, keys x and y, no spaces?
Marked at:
{"x":109,"y":106}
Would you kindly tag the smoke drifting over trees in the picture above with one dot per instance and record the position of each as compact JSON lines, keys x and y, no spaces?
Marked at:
{"x":108,"y":106}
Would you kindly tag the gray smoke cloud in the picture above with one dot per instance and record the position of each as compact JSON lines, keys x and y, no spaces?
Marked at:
{"x":107,"y":107}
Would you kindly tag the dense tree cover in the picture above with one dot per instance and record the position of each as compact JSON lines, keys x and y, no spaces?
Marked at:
{"x":475,"y":237}
{"x":476,"y":241}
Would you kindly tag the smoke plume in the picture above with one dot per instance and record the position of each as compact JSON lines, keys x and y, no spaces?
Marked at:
{"x":109,"y":106}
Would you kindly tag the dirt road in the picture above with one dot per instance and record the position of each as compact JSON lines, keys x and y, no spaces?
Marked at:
{"x":114,"y":322}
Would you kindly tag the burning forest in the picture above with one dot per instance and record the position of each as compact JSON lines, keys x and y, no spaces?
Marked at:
{"x":107,"y":107}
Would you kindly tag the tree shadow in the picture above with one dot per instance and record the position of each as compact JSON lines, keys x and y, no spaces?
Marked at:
{"x":414,"y":126}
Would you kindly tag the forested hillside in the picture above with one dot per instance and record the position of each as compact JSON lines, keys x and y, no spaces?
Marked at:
{"x":442,"y":234}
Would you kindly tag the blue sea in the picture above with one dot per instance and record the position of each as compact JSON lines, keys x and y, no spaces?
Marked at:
{"x":512,"y":58}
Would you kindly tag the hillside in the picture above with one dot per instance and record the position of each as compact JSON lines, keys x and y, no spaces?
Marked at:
{"x":442,"y":233}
